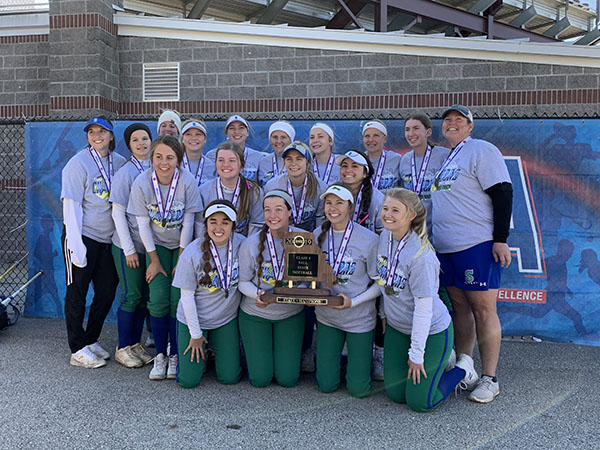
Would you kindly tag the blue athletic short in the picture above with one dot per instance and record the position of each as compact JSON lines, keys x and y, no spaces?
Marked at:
{"x":473,"y":269}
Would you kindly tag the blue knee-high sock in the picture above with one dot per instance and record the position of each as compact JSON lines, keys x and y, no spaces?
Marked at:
{"x":449,"y":380}
{"x":173,"y":335}
{"x":138,"y":325}
{"x":160,"y":328}
{"x":125,"y":321}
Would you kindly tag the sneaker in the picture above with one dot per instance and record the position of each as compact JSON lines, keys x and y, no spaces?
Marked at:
{"x":487,"y":390}
{"x":451,"y":361}
{"x":127,"y":358}
{"x":159,"y":371}
{"x":172,"y":370}
{"x":307,"y":363}
{"x":150,"y":341}
{"x":139,"y":351}
{"x":469,"y":382}
{"x":99,"y":351}
{"x":378,"y":363}
{"x":86,"y":358}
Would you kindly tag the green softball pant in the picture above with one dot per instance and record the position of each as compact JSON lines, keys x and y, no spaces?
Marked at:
{"x":163,"y":296}
{"x":424,"y":396}
{"x":273,"y":347}
{"x":133,"y":289}
{"x":225,"y":342}
{"x":330,"y":343}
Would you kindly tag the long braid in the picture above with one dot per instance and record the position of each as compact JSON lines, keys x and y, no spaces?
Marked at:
{"x":367,"y":197}
{"x":261,"y":247}
{"x":206,"y":257}
{"x":324,"y":230}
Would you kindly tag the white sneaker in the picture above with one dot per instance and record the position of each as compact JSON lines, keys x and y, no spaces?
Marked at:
{"x":451,"y":361}
{"x":99,"y":351}
{"x":139,"y":351}
{"x":86,"y":358}
{"x":127,"y":358}
{"x":172,"y":370}
{"x":378,"y":363}
{"x":307,"y":363}
{"x":159,"y":371}
{"x":465,"y":362}
{"x":487,"y":390}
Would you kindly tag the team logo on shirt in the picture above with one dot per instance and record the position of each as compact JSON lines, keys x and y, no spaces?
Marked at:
{"x":173,"y":219}
{"x":99,"y":188}
{"x":388,"y":180}
{"x":215,"y":281}
{"x":249,"y":172}
{"x":446,"y":178}
{"x":268,"y":276}
{"x":347,"y":268}
{"x":427,"y":183}
{"x":399,"y":281}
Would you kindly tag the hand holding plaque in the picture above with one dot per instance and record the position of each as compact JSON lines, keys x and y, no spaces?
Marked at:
{"x":304,"y":261}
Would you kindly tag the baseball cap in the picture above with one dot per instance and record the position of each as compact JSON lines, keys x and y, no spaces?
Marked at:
{"x":299,"y":147}
{"x":98,"y":121}
{"x":462,"y":110}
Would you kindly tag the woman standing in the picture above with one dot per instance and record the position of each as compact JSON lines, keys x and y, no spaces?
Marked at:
{"x":207,"y":274}
{"x":271,"y":333}
{"x":281,"y":134}
{"x":357,"y":172}
{"x":237,"y":131}
{"x":385,"y":162}
{"x":86,"y":185}
{"x":351,"y":252}
{"x":472,"y":207}
{"x":164,"y":201}
{"x":321,"y":144}
{"x":420,"y":165}
{"x":418,"y":323}
{"x":193,"y":138}
{"x":231,"y":184}
{"x":128,"y":251}
{"x":302,"y":185}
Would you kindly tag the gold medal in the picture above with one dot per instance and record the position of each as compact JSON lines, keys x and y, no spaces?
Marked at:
{"x":389,"y":290}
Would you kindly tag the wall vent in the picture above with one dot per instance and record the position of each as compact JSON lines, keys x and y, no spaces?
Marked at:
{"x":161,"y":82}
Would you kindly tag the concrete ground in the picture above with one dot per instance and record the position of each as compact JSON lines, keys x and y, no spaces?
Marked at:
{"x":549,"y":399}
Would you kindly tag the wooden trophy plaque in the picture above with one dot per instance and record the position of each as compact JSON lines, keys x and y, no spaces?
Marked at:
{"x":304,"y":261}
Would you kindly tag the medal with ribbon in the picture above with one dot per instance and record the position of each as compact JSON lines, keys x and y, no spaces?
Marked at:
{"x":297,"y":212}
{"x":276,"y":166}
{"x":357,"y":206}
{"x":417,"y":181}
{"x":137,"y":164}
{"x":328,"y":169}
{"x":275,"y":262}
{"x":379,"y":172}
{"x":393,"y":262}
{"x":337,"y":259}
{"x":224,"y":275}
{"x":447,"y":162}
{"x":106,"y":176}
{"x":164,"y":209}
{"x":236,"y":192}
{"x":199,"y":170}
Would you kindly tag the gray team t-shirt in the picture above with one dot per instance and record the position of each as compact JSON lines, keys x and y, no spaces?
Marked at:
{"x":82,"y":182}
{"x":248,"y":254}
{"x":142,"y":202}
{"x":415,"y":276}
{"x":373,"y":222}
{"x":252,"y":160}
{"x":208,"y":171}
{"x":313,"y":214}
{"x":390,"y":175}
{"x":255,"y":219}
{"x":357,"y":271}
{"x":462,"y":212}
{"x":266,"y":169}
{"x":121,"y":188}
{"x":437,"y":158}
{"x":214,"y":309}
{"x":334,"y":176}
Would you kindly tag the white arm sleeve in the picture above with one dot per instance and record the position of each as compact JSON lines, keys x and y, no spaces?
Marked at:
{"x":145,"y":233}
{"x":73,"y":219}
{"x":120,"y":219}
{"x":188,"y":303}
{"x":369,"y":294}
{"x":248,"y":288}
{"x":420,"y":328}
{"x":187,"y":229}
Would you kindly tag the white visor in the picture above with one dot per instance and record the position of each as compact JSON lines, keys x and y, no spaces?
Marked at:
{"x":340,"y":191}
{"x":196,"y":125}
{"x":285,"y":127}
{"x":229,"y":212}
{"x":354,"y":156}
{"x":236,"y":118}
{"x":378,"y":126}
{"x":326,"y":128}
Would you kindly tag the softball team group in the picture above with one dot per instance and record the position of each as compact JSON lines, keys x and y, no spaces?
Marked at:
{"x":194,"y":240}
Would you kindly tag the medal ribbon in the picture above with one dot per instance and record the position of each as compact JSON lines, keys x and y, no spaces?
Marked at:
{"x":277,"y":263}
{"x":236,"y":192}
{"x":357,"y":207}
{"x":450,"y":157}
{"x":276,"y":166}
{"x":199,"y":170}
{"x":375,"y":181}
{"x":417,"y":183}
{"x":393,"y":263}
{"x":328,"y":169}
{"x":297,"y":213}
{"x":98,"y":161}
{"x":163,"y":209}
{"x":341,"y":249}
{"x":137,"y":164}
{"x":224,"y":278}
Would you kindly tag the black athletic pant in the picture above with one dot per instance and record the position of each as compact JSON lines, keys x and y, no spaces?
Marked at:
{"x":101,"y":272}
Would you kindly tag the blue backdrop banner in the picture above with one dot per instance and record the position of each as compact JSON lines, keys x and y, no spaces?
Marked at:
{"x":551,"y":290}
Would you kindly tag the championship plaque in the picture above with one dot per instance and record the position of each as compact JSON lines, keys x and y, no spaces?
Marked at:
{"x":304,"y":261}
